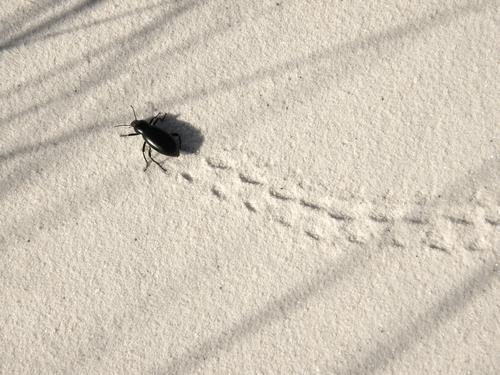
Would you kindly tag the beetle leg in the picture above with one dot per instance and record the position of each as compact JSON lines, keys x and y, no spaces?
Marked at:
{"x":158,"y":164}
{"x":157,"y":118}
{"x":154,"y":118}
{"x":144,"y":155}
{"x":129,"y":135}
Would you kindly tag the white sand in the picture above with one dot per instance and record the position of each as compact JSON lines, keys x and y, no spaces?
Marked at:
{"x":336,"y":209}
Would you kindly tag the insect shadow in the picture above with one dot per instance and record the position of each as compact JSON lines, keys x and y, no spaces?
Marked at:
{"x":192,"y":138}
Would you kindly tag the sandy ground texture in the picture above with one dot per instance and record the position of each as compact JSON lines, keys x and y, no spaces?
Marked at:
{"x":335,"y":208}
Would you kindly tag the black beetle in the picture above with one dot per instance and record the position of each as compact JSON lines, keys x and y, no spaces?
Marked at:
{"x":165,"y":143}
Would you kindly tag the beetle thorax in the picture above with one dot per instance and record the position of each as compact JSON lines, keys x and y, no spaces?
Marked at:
{"x":139,"y":125}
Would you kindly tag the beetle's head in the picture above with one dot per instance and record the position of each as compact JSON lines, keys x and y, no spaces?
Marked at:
{"x":139,"y":125}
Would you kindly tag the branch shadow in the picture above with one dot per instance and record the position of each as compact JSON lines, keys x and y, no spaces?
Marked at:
{"x":27,"y":34}
{"x":273,"y":311}
{"x":98,"y":22}
{"x":425,"y":323}
{"x":25,"y":13}
{"x":349,"y":48}
{"x":115,"y":60}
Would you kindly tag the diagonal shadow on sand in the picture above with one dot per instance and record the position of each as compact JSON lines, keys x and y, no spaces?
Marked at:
{"x":341,"y":51}
{"x":98,"y":22}
{"x":115,"y":59}
{"x":426,"y":323}
{"x":454,"y":302}
{"x":45,"y":25}
{"x":24,"y":14}
{"x":273,"y":311}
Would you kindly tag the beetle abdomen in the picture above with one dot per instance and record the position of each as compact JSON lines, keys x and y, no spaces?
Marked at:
{"x":161,"y":141}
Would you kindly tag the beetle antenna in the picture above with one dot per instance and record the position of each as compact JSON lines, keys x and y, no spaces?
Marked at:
{"x":120,"y":125}
{"x":134,"y":112}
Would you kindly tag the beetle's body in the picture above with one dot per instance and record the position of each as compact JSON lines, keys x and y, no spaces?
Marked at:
{"x":165,"y":143}
{"x":158,"y":139}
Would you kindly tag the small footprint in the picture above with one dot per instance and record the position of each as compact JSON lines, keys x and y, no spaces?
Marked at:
{"x":359,"y":240}
{"x":378,"y":217}
{"x":281,"y":195}
{"x":459,"y":220}
{"x":313,"y":235}
{"x":249,"y":180}
{"x":218,"y":193}
{"x":250,"y":206}
{"x":416,"y":220}
{"x":397,"y":243}
{"x":187,"y":176}
{"x":339,"y":215}
{"x":310,"y":205}
{"x":439,"y":247}
{"x":282,"y":221}
{"x":492,"y":221}
{"x":217,"y":163}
